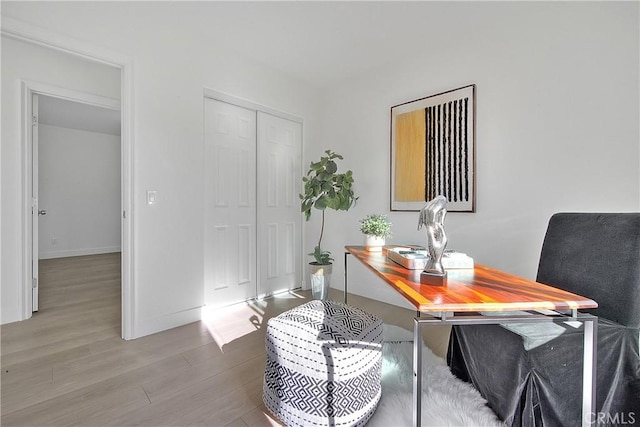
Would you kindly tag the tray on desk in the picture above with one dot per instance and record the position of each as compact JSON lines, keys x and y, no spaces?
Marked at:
{"x":415,"y":258}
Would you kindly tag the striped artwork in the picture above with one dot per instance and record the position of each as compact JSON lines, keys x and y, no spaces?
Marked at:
{"x":432,"y":147}
{"x":447,"y":151}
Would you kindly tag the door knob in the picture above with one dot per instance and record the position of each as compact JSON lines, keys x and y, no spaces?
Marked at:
{"x":42,"y":212}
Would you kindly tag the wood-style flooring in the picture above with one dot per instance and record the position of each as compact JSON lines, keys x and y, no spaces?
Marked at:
{"x":68,"y":366}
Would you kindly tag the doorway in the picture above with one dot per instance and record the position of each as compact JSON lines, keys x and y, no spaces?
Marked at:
{"x":96,"y":54}
{"x":32,"y":92}
{"x":76,"y":188}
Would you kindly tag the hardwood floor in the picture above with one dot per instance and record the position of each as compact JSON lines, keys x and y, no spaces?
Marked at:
{"x":68,"y":366}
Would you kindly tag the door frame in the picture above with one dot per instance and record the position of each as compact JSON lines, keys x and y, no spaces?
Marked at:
{"x":36,"y":35}
{"x":29,"y":89}
{"x":249,"y":105}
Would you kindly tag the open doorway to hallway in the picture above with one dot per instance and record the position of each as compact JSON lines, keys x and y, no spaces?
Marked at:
{"x":77,"y":229}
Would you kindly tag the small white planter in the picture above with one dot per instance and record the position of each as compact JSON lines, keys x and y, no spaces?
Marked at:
{"x":374,"y":243}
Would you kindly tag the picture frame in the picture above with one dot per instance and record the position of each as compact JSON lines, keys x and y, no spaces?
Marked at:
{"x":433,"y":151}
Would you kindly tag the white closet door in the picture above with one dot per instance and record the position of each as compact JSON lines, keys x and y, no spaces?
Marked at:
{"x":230,"y":203}
{"x":279,"y":217}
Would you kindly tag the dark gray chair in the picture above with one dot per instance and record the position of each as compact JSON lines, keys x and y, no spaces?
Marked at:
{"x":531,"y":375}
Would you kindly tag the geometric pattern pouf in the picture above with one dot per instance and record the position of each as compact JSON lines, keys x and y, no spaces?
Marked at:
{"x":324,"y":362}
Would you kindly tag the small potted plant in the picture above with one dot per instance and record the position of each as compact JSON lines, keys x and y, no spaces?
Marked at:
{"x":376,"y":229}
{"x":325,"y":188}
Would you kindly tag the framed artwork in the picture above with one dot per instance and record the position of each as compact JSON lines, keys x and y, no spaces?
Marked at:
{"x":433,"y":151}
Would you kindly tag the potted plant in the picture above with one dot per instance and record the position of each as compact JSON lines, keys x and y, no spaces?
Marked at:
{"x":325,"y":188}
{"x":376,"y":228}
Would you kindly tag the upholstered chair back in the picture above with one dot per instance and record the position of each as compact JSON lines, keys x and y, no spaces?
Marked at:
{"x":596,"y":255}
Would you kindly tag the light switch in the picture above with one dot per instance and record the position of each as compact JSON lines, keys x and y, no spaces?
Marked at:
{"x":151,"y":197}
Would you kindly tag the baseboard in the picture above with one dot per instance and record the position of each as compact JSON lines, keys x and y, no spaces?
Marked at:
{"x":79,"y":252}
{"x":158,"y":324}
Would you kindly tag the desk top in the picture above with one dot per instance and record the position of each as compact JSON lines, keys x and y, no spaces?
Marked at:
{"x":479,"y":289}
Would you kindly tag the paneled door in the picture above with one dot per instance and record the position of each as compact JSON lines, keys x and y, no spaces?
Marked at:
{"x":230,"y":203}
{"x":279,"y":216}
{"x":253,"y":223}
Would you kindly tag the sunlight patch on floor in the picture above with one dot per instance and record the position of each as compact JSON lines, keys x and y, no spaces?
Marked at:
{"x":286,"y":294}
{"x":226,"y":324}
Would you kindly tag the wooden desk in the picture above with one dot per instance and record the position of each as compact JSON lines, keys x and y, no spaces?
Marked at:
{"x":492,"y":292}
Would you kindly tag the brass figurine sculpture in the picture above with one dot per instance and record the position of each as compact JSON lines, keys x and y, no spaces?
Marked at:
{"x":432,"y":217}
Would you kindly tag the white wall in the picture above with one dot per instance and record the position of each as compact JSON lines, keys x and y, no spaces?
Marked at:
{"x":79,"y":187}
{"x":171,"y":68}
{"x":557,"y":127}
{"x":23,"y":61}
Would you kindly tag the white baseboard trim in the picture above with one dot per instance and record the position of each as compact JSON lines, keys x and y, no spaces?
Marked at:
{"x":79,"y":252}
{"x":146,"y":327}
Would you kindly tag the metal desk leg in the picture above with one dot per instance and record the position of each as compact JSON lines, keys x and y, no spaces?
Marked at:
{"x":589,"y":367}
{"x":417,"y":373}
{"x":345,"y":276}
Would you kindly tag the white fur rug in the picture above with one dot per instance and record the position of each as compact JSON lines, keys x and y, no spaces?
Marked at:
{"x":446,"y":400}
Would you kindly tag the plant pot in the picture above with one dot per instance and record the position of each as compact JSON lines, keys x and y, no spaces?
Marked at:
{"x":374,"y":243}
{"x":320,"y":280}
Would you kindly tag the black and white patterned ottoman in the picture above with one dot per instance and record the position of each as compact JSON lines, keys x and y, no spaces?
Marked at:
{"x":324,"y":361}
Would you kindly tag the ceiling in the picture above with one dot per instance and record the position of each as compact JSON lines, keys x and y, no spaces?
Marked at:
{"x":318,"y":42}
{"x":75,"y":115}
{"x":322,"y":43}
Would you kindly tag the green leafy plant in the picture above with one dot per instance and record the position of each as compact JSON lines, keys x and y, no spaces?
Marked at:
{"x":325,"y":188}
{"x":376,"y":225}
